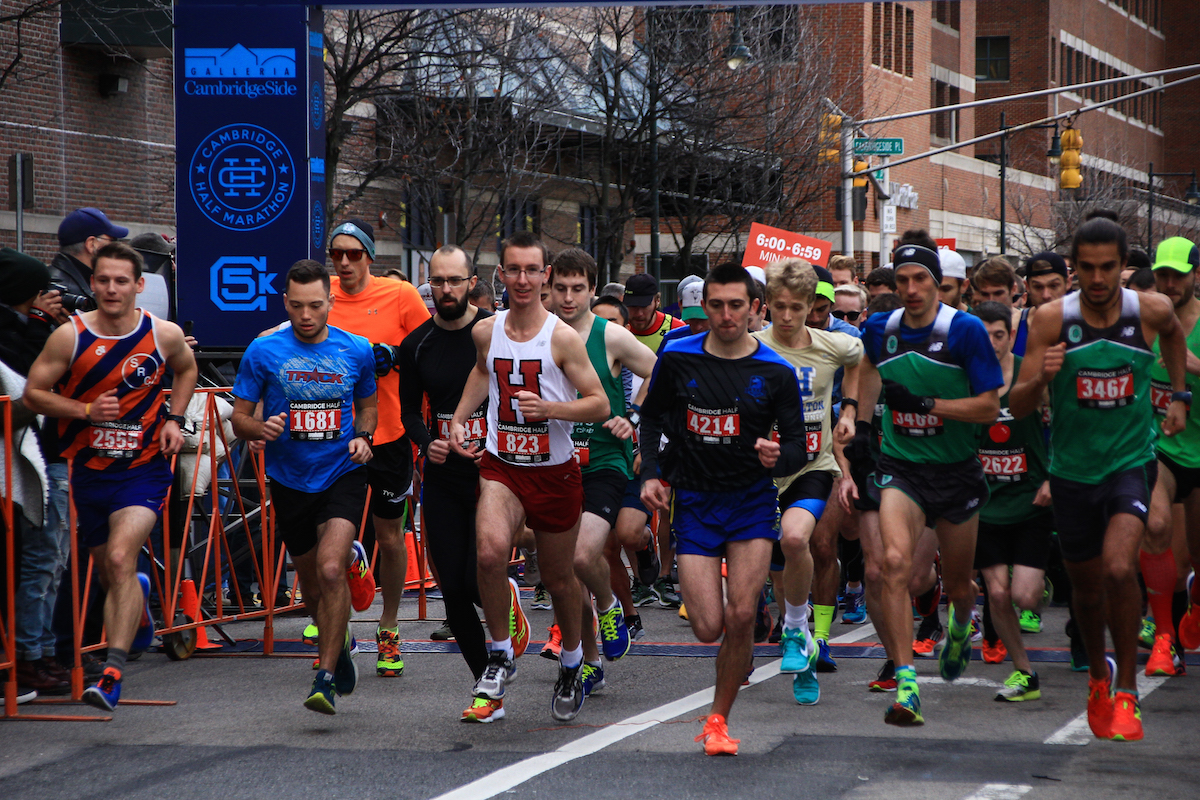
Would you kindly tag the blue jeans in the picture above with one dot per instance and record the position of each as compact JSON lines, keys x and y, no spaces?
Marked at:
{"x":43,"y":561}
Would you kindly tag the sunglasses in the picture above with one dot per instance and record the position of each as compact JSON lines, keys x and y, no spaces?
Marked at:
{"x":353,"y":255}
{"x":850,"y":316}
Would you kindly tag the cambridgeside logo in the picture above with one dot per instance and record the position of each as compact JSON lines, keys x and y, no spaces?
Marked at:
{"x":240,"y":71}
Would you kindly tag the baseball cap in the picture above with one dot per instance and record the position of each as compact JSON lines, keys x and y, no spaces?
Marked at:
{"x":691,"y":301}
{"x":953,"y":265}
{"x":1177,"y":253}
{"x":758,"y":273}
{"x":921,"y":256}
{"x":640,"y":290}
{"x":1044,"y":264}
{"x":824,"y":283}
{"x":426,"y":292}
{"x":83,"y":223}
{"x":359,"y":230}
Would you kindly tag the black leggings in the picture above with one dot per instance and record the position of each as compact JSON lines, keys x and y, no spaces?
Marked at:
{"x":448,"y":501}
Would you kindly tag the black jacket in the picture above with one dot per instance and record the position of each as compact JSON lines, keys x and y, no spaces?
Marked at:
{"x":72,"y":273}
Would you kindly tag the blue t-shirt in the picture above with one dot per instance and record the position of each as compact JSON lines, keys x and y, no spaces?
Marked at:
{"x":841,"y":326}
{"x":316,"y":386}
{"x":968,"y":341}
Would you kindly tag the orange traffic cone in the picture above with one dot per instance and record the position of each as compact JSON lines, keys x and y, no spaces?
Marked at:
{"x":412,"y":578}
{"x":191,"y":607}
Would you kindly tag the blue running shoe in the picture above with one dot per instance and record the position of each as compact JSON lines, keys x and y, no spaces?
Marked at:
{"x":320,"y":699}
{"x":956,"y":653}
{"x":805,"y":688}
{"x":345,"y":674}
{"x":825,"y":662}
{"x":145,"y":632}
{"x":107,"y":693}
{"x":855,"y":612}
{"x":791,"y":644}
{"x":614,"y":633}
{"x":593,"y":678}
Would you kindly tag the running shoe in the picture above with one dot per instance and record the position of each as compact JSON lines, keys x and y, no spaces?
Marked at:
{"x":320,"y":699}
{"x":389,"y":661}
{"x":614,"y":633}
{"x":906,"y":710}
{"x":1147,"y":633}
{"x":855,"y":612}
{"x":976,"y":626}
{"x":145,"y":632}
{"x":994,"y":652}
{"x":360,"y":577}
{"x":664,"y":590}
{"x":1126,"y":725}
{"x":107,"y":692}
{"x":518,"y":623}
{"x":311,"y":634}
{"x":1031,"y":622}
{"x":682,"y":611}
{"x":553,"y":643}
{"x":762,"y":619}
{"x":1189,"y":626}
{"x":568,"y":694}
{"x":885,"y":681}
{"x":825,"y":662}
{"x":956,"y":653}
{"x":345,"y":674}
{"x":484,"y":710}
{"x":1047,"y":591}
{"x":777,"y":632}
{"x":1079,"y":656}
{"x":791,"y":646}
{"x":499,"y":671}
{"x":716,"y":737}
{"x":443,"y":634}
{"x":643,"y":595}
{"x":592,"y":676}
{"x":1100,"y":703}
{"x":648,"y":565}
{"x":541,"y":599}
{"x":532,"y":574}
{"x":929,"y":633}
{"x":634,"y":623}
{"x":1018,"y":687}
{"x":805,"y":688}
{"x":1163,"y":659}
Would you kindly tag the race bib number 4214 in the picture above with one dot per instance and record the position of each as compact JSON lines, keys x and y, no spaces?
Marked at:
{"x":714,"y":427}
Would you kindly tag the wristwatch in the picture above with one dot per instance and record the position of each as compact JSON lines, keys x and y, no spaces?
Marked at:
{"x":364,"y":435}
{"x":178,"y":419}
{"x":634,"y":418}
{"x":1184,"y":397}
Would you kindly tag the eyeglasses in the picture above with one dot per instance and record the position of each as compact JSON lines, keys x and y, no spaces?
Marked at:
{"x":438,"y":283}
{"x":354,"y":255}
{"x":516,"y":272}
{"x":849,"y":316}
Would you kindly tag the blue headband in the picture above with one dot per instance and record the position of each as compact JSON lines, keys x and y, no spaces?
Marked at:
{"x":350,"y":229}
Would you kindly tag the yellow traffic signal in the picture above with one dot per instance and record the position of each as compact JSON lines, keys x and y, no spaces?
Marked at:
{"x":829,"y":139}
{"x":1069,"y":176}
{"x":860,"y":165}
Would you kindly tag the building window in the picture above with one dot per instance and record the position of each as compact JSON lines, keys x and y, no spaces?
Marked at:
{"x":773,"y":33}
{"x":943,"y":126}
{"x":946,"y":12}
{"x":585,"y":232}
{"x":892,"y":32}
{"x":991,"y":58}
{"x":519,"y":215}
{"x":682,"y":35}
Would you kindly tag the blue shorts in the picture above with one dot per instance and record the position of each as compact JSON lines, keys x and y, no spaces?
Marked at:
{"x":704,"y":522}
{"x":98,"y":495}
{"x":633,"y":496}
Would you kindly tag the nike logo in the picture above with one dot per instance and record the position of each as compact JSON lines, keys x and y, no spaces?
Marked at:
{"x":343,"y":349}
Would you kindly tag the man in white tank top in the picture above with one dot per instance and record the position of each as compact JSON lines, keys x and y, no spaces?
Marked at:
{"x":529,"y":368}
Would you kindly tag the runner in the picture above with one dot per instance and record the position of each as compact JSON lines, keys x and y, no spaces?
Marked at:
{"x":316,"y":384}
{"x":815,"y":355}
{"x":1046,"y":280}
{"x":940,"y":379}
{"x":1093,"y":350}
{"x":101,"y":376}
{"x":434,"y":362}
{"x":715,"y":396}
{"x":384,"y":311}
{"x":604,"y":453}
{"x":529,"y":367}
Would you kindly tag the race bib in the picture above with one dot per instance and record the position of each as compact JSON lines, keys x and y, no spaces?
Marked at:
{"x":581,"y":438}
{"x":812,"y":439}
{"x":1104,"y":388}
{"x":1160,"y":396}
{"x":315,"y":420}
{"x":475,"y":427}
{"x":714,"y":426}
{"x":905,"y":424}
{"x":1004,"y":465}
{"x":523,"y":444}
{"x":116,"y":439}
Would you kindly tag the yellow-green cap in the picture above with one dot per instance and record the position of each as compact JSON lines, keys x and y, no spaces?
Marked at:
{"x":1177,"y":253}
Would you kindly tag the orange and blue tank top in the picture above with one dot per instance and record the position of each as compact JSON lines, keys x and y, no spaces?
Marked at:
{"x":132,"y":364}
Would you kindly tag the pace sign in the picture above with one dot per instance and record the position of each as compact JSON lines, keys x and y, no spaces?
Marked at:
{"x":769,"y":244}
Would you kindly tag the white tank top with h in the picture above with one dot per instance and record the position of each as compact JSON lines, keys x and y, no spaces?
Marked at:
{"x":526,"y":366}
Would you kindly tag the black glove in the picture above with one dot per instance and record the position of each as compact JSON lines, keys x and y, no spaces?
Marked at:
{"x":899,"y":398}
{"x":858,"y":451}
{"x":385,"y":359}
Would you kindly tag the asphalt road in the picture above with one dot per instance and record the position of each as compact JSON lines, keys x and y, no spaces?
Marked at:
{"x":238,"y":730}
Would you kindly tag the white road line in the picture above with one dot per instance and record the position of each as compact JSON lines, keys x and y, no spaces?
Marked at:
{"x":1077,"y":732}
{"x":514,"y":775}
{"x":1000,"y":791}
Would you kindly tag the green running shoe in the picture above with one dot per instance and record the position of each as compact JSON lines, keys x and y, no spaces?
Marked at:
{"x":311,"y":635}
{"x":1147,"y":633}
{"x":1031,"y":622}
{"x":906,"y":711}
{"x":956,"y":652}
{"x":1018,"y":687}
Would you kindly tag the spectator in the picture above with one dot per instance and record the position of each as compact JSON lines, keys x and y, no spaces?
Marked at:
{"x":844,"y":270}
{"x":80,"y":235}
{"x":157,"y":296}
{"x":881,"y":281}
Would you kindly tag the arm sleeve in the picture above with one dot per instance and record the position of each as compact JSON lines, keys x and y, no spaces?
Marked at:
{"x":972,"y":346}
{"x":411,"y":392}
{"x":247,"y":386}
{"x":789,"y":411}
{"x":654,"y":411}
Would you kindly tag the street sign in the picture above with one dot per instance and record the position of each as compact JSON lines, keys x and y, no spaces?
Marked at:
{"x":879,"y":147}
{"x":889,"y":219}
{"x":767,"y":244}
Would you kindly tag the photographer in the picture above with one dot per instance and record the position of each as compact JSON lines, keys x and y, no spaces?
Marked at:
{"x":80,"y":235}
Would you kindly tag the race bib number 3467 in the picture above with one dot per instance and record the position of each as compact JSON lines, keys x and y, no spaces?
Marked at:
{"x":1104,"y":388}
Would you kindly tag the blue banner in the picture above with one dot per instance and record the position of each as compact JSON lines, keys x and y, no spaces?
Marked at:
{"x":249,"y":128}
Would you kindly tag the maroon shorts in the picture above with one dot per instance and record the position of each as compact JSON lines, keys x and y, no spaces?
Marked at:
{"x":551,"y":496}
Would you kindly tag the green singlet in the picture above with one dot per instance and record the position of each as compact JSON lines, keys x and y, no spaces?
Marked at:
{"x":1013,"y":454}
{"x":595,"y":447}
{"x":1184,"y":447}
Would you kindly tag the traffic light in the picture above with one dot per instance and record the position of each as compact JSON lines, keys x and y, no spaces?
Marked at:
{"x":1069,"y":176}
{"x":860,"y":165}
{"x":829,"y":139}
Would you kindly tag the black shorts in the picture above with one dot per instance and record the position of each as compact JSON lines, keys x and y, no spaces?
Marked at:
{"x":953,"y":492}
{"x":863,"y":475}
{"x":603,"y":491}
{"x":298,"y":514}
{"x":390,"y":473}
{"x":1026,"y":542}
{"x":1187,"y":479}
{"x":1082,"y":510}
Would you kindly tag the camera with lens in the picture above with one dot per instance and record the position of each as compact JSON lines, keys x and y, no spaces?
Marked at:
{"x":74,"y":302}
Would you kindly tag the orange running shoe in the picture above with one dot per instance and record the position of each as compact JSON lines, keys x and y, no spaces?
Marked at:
{"x":553,"y":644}
{"x":484,"y":709}
{"x":1189,"y":626}
{"x":518,"y":623}
{"x":1126,"y":725}
{"x":362,"y":580}
{"x":1100,"y":704}
{"x":716,"y":737}
{"x":1162,"y":657}
{"x":994,"y":652}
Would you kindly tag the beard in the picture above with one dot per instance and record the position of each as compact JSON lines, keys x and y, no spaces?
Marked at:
{"x":453,"y":312}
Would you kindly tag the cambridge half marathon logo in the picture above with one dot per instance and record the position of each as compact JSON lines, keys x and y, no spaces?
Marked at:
{"x":242,"y":177}
{"x":241,"y":71}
